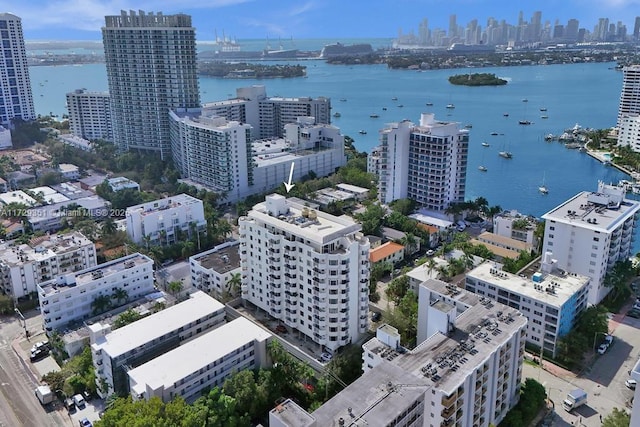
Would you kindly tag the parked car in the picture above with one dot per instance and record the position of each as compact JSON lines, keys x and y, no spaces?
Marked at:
{"x":325,"y":357}
{"x":608,"y":339}
{"x":635,"y":314}
{"x":70,"y":404}
{"x":375,"y":316}
{"x":431,"y":252}
{"x":78,"y":399}
{"x":41,"y":353}
{"x":630,"y":383}
{"x":603,"y":348}
{"x":282,"y":329}
{"x":40,"y":345}
{"x":636,"y":306}
{"x":85,"y":423}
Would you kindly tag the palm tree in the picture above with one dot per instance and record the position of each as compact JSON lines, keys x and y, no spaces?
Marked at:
{"x":409,"y":241}
{"x":101,"y":303}
{"x":174,"y":287}
{"x":162,"y":235}
{"x":108,"y":227}
{"x":223,"y":229}
{"x":234,"y":283}
{"x":120,"y":295}
{"x":147,"y":240}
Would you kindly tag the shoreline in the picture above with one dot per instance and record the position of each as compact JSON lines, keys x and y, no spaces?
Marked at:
{"x":599,"y":155}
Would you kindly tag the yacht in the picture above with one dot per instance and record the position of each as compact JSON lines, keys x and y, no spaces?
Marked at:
{"x":524,"y":122}
{"x":374,"y":116}
{"x":506,"y":114}
{"x":485,"y":144}
{"x":543,"y":189}
{"x":543,"y":109}
{"x":336,"y":114}
{"x":506,"y":154}
{"x":362,"y":132}
{"x":429,"y":104}
{"x":482,"y":168}
{"x":494,"y":133}
{"x":451,"y":106}
{"x":395,"y":98}
{"x":544,"y":116}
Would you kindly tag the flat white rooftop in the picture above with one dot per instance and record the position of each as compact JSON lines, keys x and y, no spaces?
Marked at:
{"x":564,"y":285}
{"x":324,"y":228}
{"x":581,"y":211}
{"x":152,"y":327}
{"x":171,"y":367}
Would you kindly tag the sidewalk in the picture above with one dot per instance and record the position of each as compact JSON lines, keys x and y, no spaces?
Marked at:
{"x":552,"y":368}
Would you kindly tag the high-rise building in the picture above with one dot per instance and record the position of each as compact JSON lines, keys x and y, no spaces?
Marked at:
{"x":151,"y":68}
{"x":466,"y":373}
{"x":629,"y":131}
{"x":220,"y":154}
{"x":426,"y":162}
{"x":269,"y":115}
{"x":307,"y":268}
{"x":590,"y":232}
{"x":15,"y":90}
{"x":636,"y":28}
{"x":630,"y":94}
{"x":90,"y":114}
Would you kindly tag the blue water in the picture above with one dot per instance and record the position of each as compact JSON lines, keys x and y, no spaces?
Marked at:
{"x":587,"y":94}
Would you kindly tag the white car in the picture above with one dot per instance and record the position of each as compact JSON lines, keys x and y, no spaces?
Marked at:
{"x":603,"y":348}
{"x":325,"y":357}
{"x":608,"y":339}
{"x":630,"y":383}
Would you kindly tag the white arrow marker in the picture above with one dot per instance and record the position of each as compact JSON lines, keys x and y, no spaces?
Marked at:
{"x":288,"y":185}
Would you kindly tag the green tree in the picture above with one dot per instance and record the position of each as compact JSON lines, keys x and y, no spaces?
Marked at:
{"x":234,"y":284}
{"x":100,"y":304}
{"x":251,"y":397}
{"x":126,"y":318}
{"x":372,"y":219}
{"x":397,"y":289}
{"x":174,"y":287}
{"x":120,"y":295}
{"x":617,"y":418}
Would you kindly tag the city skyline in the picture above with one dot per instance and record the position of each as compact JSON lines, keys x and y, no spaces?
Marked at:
{"x":247,"y":19}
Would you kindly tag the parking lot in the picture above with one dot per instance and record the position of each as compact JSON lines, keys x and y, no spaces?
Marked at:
{"x":604,"y":380}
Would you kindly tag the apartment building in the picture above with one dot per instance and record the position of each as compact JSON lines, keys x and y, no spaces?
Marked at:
{"x":307,"y":268}
{"x":70,"y":297}
{"x":629,"y":131}
{"x":425,"y":162}
{"x":220,"y":155}
{"x":467,"y":373}
{"x":213,"y":152}
{"x":514,"y":225}
{"x":213,"y":271}
{"x":24,"y":266}
{"x":161,"y":221}
{"x":590,"y":232}
{"x":151,"y":69}
{"x":90,"y":114}
{"x":551,"y":299}
{"x":15,"y":91}
{"x":268,"y":115}
{"x":630,"y":94}
{"x":204,"y":362}
{"x":114,"y":352}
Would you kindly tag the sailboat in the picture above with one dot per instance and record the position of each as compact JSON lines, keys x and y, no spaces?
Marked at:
{"x":482,"y":167}
{"x":543,"y":188}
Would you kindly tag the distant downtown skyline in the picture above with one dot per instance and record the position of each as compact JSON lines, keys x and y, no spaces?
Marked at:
{"x":251,"y":19}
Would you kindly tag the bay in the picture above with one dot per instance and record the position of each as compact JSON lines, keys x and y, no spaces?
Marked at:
{"x":584,"y":93}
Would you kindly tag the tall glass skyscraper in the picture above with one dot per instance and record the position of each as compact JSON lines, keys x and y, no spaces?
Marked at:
{"x":151,"y":68}
{"x":16,"y":100}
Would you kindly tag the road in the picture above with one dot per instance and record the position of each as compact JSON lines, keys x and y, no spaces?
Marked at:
{"x":604,"y":381}
{"x":18,"y":405}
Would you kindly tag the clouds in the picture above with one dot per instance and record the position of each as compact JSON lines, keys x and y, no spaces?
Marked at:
{"x":88,"y":15}
{"x":83,"y":19}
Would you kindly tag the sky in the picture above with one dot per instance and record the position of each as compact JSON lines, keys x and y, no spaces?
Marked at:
{"x":304,"y":19}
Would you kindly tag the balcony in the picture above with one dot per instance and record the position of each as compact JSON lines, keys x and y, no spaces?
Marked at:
{"x":450,"y":400}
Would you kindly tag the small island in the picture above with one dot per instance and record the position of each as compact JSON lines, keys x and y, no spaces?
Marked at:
{"x":477,"y":79}
{"x":249,"y":70}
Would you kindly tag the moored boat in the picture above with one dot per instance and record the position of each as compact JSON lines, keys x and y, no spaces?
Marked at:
{"x":451,"y":106}
{"x":362,"y":132}
{"x":506,"y":154}
{"x":485,"y":144}
{"x":482,"y":168}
